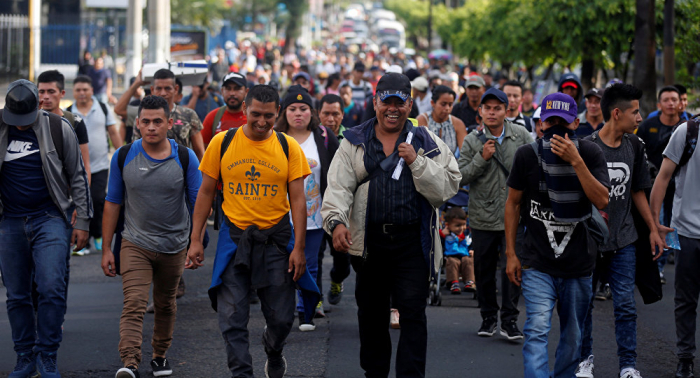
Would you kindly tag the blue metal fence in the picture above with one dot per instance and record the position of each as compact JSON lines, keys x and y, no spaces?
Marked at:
{"x":60,"y":44}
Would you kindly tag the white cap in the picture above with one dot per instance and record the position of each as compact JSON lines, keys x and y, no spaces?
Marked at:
{"x":536,"y":115}
{"x":420,"y":84}
{"x":394,"y":69}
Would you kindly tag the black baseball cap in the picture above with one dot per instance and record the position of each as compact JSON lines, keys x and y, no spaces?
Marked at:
{"x":21,"y":103}
{"x":495,"y":93}
{"x":594,"y":92}
{"x":394,"y":85}
{"x":235,"y":78}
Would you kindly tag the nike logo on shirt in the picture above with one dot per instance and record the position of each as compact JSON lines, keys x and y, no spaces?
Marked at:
{"x":19,"y":149}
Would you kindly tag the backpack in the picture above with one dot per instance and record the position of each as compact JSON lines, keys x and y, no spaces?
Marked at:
{"x":184,"y":156}
{"x":691,"y":140}
{"x":219,"y":200}
{"x":597,"y":224}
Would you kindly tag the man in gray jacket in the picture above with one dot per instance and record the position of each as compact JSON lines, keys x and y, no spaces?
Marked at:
{"x":42,"y":179}
{"x":385,"y":184}
{"x":485,"y":162}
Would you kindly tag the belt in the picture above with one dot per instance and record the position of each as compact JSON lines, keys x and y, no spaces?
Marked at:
{"x":394,"y":229}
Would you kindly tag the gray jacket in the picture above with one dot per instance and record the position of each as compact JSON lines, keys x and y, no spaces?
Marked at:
{"x":487,"y":181}
{"x":66,"y":180}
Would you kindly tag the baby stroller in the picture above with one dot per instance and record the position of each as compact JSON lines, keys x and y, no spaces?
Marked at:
{"x":461,"y":199}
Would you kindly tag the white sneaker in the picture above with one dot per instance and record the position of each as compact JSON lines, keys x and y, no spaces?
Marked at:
{"x":585,"y":368}
{"x":82,"y":252}
{"x":630,"y":373}
{"x":307,"y":327}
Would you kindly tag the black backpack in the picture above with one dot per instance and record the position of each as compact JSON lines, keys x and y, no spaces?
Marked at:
{"x":691,"y":140}
{"x":219,"y":200}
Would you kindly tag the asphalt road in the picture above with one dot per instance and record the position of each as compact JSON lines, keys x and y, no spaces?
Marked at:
{"x":91,"y":334}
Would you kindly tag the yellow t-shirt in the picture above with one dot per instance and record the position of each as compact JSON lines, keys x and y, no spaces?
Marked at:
{"x":255,"y":176}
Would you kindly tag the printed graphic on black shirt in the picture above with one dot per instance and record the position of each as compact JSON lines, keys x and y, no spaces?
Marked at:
{"x":558,"y":233}
{"x":619,"y":173}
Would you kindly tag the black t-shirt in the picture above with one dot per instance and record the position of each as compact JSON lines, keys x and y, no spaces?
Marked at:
{"x":655,"y":136}
{"x":556,"y":248}
{"x":627,"y":169}
{"x":465,"y":112}
{"x":79,"y":127}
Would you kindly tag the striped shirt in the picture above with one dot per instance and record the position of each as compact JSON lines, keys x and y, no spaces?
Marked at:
{"x":390,"y":201}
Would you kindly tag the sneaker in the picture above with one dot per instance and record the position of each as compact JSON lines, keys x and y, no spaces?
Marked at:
{"x":394,"y":319}
{"x":604,"y":293}
{"x":151,"y":308}
{"x":319,"y":311}
{"x":161,"y":367}
{"x":98,"y":244}
{"x":128,"y":372}
{"x":336,"y":293}
{"x":46,"y":365}
{"x":82,"y":252}
{"x":180,"y":288}
{"x":585,"y":368}
{"x":469,"y":286}
{"x":454,"y":289}
{"x":630,"y":373}
{"x":306,"y":327}
{"x":685,"y":368}
{"x":488,"y":327}
{"x":25,"y":367}
{"x":510,"y":331}
{"x":662,"y":278}
{"x":275,"y":367}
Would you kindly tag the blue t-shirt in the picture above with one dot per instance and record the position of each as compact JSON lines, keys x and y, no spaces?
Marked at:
{"x":203,"y":107}
{"x":22,"y":184}
{"x":99,"y":80}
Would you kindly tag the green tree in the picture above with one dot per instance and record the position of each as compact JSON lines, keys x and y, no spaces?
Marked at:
{"x":199,"y":12}
{"x":296,"y":9}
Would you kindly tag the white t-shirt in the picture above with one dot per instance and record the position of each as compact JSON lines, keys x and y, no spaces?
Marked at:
{"x":686,"y":207}
{"x":312,"y":185}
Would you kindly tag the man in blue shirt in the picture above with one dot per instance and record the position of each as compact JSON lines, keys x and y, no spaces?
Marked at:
{"x":42,"y":179}
{"x":682,"y":105}
{"x":202,"y":101}
{"x":154,"y":185}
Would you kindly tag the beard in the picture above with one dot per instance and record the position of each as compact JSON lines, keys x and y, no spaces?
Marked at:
{"x":233,"y":104}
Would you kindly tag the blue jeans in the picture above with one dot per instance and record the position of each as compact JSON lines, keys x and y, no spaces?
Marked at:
{"x":619,"y":269}
{"x":35,"y":248}
{"x":571,"y":297}
{"x":311,"y":251}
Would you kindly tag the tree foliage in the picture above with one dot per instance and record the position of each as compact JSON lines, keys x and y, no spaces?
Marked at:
{"x":198,"y":12}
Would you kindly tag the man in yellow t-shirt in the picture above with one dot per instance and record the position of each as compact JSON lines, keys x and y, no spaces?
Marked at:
{"x":258,"y":170}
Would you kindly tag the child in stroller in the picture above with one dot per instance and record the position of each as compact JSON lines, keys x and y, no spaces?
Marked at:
{"x":459,"y":262}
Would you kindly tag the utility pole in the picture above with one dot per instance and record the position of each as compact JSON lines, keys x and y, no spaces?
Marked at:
{"x":669,"y":48}
{"x":430,"y":25}
{"x":134,"y":27}
{"x":159,"y":31}
{"x":34,"y":38}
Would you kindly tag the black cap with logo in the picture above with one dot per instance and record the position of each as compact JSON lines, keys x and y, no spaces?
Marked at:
{"x":394,"y":85}
{"x":21,"y":103}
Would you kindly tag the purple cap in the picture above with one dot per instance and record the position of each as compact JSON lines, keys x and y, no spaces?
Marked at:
{"x":559,"y":105}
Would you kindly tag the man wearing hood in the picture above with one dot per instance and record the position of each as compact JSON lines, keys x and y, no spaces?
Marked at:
{"x":570,"y":84}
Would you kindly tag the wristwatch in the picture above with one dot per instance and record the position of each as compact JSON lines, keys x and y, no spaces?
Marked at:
{"x":334,"y":224}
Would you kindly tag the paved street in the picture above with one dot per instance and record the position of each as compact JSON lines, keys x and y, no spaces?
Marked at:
{"x":91,"y":335}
